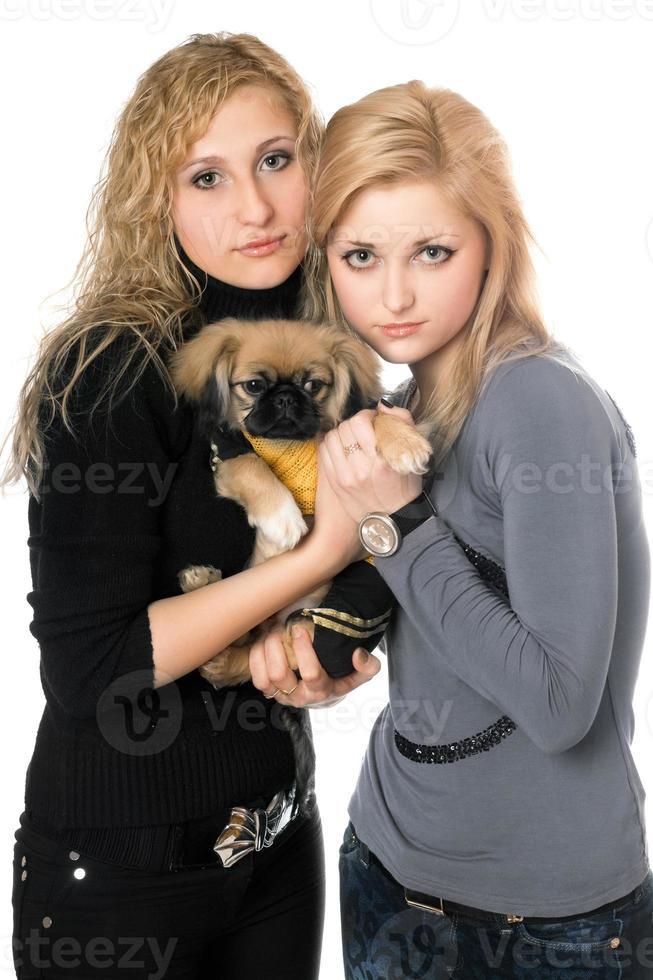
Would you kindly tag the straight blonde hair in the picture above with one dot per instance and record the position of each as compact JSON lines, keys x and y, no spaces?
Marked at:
{"x":408,"y":132}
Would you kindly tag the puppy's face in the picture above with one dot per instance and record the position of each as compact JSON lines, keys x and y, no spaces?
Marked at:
{"x":280,"y":379}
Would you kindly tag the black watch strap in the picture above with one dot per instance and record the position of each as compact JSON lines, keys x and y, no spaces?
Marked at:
{"x":411,"y":515}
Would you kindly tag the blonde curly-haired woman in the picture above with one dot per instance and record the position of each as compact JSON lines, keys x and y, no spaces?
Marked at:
{"x":138,"y":761}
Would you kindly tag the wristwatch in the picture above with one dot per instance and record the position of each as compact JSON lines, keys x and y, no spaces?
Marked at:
{"x":382,"y":534}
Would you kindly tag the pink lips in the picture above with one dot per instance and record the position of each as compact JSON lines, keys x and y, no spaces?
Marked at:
{"x":262,"y":246}
{"x":400,"y":329}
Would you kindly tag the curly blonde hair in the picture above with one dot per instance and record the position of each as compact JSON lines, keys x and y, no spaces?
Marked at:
{"x":410,"y":131}
{"x":130,"y":279}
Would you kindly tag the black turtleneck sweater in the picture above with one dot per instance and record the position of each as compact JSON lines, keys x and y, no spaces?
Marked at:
{"x":122,"y":511}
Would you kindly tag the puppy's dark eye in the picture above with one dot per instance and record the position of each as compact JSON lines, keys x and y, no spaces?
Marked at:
{"x":314,"y":385}
{"x":254,"y":386}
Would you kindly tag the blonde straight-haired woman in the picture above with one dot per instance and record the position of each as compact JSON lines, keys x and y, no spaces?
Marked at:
{"x":497,"y":827}
{"x":138,"y":761}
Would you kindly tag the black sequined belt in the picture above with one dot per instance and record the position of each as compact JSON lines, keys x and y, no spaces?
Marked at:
{"x":452,"y":751}
{"x":495,"y":574}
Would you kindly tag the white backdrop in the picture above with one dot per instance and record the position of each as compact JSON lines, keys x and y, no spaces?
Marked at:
{"x":568,"y":83}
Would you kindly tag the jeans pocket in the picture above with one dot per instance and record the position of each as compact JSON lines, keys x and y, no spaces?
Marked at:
{"x":584,"y":933}
{"x":349,"y":840}
{"x":38,"y":878}
{"x":38,"y":883}
{"x":601,"y":932}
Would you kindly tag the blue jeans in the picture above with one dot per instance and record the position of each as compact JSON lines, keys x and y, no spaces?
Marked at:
{"x":384,"y":938}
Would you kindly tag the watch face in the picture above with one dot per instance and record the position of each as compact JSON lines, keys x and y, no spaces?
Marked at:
{"x":378,"y":535}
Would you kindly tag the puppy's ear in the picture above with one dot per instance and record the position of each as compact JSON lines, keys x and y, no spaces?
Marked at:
{"x":357,"y":380}
{"x":201,"y":369}
{"x":355,"y":401}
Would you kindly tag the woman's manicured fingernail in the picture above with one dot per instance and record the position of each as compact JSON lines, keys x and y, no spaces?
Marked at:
{"x":297,"y":632}
{"x":363,"y":655}
{"x":384,"y":401}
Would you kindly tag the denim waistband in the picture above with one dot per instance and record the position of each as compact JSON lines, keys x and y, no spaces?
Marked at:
{"x":644,"y":887}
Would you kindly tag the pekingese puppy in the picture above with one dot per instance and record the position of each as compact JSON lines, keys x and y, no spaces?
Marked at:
{"x":280,"y":383}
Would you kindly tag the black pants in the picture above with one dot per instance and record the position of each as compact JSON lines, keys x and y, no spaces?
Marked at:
{"x":78,"y":916}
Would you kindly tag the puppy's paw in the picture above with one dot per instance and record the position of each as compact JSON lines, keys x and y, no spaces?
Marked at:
{"x":230,"y":666}
{"x":195,"y":576}
{"x":281,"y":529}
{"x":402,"y":446}
{"x":306,"y":624}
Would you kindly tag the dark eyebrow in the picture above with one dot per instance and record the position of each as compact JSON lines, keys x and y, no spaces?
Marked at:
{"x":421,"y":241}
{"x":217,"y":159}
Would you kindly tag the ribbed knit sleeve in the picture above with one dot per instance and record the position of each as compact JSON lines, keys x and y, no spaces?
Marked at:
{"x":94,"y":539}
{"x":547,"y":459}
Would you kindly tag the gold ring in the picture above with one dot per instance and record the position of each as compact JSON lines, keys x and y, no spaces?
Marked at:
{"x":290,"y":691}
{"x":351,"y":448}
{"x":270,"y":696}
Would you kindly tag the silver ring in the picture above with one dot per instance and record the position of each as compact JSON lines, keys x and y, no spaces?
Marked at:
{"x":351,"y":448}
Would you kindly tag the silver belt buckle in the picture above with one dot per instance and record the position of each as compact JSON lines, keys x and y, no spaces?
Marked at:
{"x":252,"y":830}
{"x":419,"y":901}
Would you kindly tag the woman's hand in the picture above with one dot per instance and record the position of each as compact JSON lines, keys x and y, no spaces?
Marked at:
{"x":272,"y":675}
{"x":334,"y":535}
{"x":362,"y":481}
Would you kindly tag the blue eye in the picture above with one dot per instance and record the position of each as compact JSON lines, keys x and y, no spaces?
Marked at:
{"x":358,"y":252}
{"x":447,"y":252}
{"x":365,"y":253}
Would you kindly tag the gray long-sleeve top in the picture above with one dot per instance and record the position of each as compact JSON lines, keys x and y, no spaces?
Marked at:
{"x":543,"y":480}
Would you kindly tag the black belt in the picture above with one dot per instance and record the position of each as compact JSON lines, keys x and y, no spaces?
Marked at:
{"x":433,"y":903}
{"x":440,"y":906}
{"x":169,"y":847}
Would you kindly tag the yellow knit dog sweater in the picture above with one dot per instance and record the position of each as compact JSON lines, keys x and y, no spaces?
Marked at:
{"x":294,"y":462}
